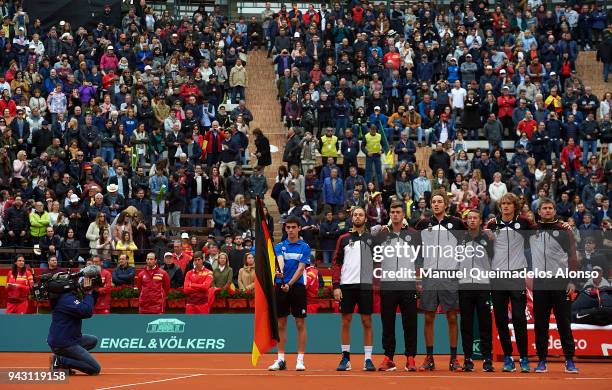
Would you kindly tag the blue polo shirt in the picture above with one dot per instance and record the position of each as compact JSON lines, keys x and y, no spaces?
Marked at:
{"x":292,"y":253}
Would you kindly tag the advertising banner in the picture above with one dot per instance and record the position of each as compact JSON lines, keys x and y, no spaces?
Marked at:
{"x":214,"y":333}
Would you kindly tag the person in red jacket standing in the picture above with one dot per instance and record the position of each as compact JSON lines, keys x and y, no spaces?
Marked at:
{"x":506,"y":103}
{"x":214,"y":142}
{"x":104,"y":292}
{"x":312,"y":289}
{"x":190,"y":89}
{"x":153,"y":284}
{"x":18,"y":287}
{"x":197,"y":285}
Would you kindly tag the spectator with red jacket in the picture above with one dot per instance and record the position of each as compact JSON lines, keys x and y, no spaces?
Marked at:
{"x":18,"y":287}
{"x":7,"y":102}
{"x":153,"y":284}
{"x":214,"y":144}
{"x":197,"y":284}
{"x":104,"y":292}
{"x":570,"y":157}
{"x":109,"y":60}
{"x":506,"y":103}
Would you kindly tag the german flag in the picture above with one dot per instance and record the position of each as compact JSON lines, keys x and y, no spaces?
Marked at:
{"x":265,"y":332}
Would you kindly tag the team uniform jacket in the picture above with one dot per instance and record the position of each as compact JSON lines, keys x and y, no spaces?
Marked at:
{"x":104,"y":294}
{"x":197,"y":284}
{"x":353,"y":264}
{"x":480,"y":249}
{"x":18,"y":289}
{"x":553,"y":248}
{"x":153,"y":285}
{"x":398,"y":261}
{"x":441,"y":234}
{"x":511,"y":240}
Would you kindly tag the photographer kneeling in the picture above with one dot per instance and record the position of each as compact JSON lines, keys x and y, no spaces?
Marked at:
{"x":70,"y":347}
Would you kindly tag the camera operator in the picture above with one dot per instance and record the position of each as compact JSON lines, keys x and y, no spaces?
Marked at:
{"x":70,"y":347}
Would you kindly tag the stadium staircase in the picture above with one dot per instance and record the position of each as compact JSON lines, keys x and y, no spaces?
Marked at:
{"x":591,"y":73}
{"x":261,"y":98}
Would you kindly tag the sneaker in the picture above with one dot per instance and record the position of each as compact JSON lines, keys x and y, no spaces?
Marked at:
{"x":525,"y":365}
{"x":541,"y":367}
{"x":428,"y":364}
{"x":487,"y":366}
{"x":410,"y":364}
{"x":509,"y":365}
{"x":454,"y":365}
{"x":368,"y":365}
{"x":570,"y":367}
{"x":468,"y":365}
{"x":345,"y":364}
{"x":54,"y":363}
{"x":387,"y":365}
{"x":278,"y":365}
{"x":299,"y":366}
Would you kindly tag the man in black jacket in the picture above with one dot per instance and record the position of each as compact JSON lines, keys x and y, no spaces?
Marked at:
{"x":291,"y":155}
{"x":90,"y":138}
{"x":42,"y":138}
{"x":21,"y":130}
{"x":174,"y":271}
{"x":17,"y":224}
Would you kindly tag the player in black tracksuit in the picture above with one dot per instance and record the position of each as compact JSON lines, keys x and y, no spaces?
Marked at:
{"x":553,"y":249}
{"x":397,"y":285}
{"x":511,"y":236}
{"x":474,"y":292}
{"x":440,"y":231}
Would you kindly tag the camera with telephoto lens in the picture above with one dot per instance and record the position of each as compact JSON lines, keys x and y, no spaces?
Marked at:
{"x":50,"y":286}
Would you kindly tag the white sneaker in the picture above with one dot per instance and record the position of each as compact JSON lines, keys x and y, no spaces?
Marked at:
{"x":299,"y":366}
{"x":278,"y":365}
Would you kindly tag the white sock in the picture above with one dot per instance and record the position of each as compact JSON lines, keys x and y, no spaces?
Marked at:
{"x":367,"y":350}
{"x":281,"y":356}
{"x":300,"y":357}
{"x":345,"y":348}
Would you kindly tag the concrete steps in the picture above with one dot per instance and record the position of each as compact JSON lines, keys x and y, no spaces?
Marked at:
{"x":591,"y":72}
{"x":261,"y":99}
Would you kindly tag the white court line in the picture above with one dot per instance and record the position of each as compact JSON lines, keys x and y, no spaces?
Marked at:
{"x":290,"y":374}
{"x":150,"y":382}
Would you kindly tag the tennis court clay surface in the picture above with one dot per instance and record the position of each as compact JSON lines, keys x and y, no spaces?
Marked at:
{"x":234,"y":371}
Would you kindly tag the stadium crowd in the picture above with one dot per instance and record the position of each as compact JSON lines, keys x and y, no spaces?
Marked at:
{"x":382,"y":83}
{"x":110,"y":134}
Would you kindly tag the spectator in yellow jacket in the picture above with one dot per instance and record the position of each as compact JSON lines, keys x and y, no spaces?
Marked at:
{"x":39,"y":220}
{"x":329,"y":145}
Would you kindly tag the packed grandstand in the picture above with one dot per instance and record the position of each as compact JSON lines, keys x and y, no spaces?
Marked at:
{"x":135,"y":137}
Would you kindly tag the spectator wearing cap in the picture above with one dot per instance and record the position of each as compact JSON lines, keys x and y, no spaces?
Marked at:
{"x":173,"y":270}
{"x":42,"y":138}
{"x":114,"y":201}
{"x":109,"y":60}
{"x":468,"y":70}
{"x":590,"y":191}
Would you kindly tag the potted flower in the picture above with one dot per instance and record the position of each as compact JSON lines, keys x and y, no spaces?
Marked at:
{"x":120,"y":296}
{"x":250,"y":296}
{"x":237,"y":299}
{"x":220,"y":301}
{"x":325,"y":297}
{"x":176,"y":299}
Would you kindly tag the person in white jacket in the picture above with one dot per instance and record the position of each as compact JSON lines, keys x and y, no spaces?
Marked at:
{"x":497,"y":189}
